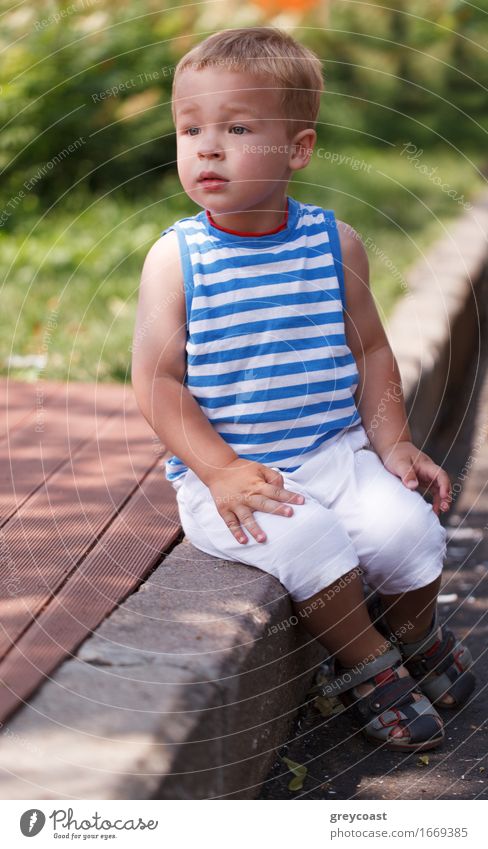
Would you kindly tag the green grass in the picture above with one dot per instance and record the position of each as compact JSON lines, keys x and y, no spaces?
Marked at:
{"x":70,"y":278}
{"x":397,"y":210}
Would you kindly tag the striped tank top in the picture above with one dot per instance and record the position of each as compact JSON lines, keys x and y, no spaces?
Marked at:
{"x":267,"y":357}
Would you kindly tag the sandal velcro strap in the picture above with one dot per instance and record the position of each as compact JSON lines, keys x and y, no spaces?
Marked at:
{"x":392,"y":693}
{"x":462,"y":687}
{"x":421,"y":726}
{"x":439,"y":661}
{"x":350,"y":677}
{"x":426,"y":642}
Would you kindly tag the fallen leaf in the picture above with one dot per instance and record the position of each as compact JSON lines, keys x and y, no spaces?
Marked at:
{"x":327,"y":707}
{"x":423,"y":759}
{"x":299,"y":772}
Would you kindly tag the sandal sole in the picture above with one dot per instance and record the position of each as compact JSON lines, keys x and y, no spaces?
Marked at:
{"x":405,"y":747}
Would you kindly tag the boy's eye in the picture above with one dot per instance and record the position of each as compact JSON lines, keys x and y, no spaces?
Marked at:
{"x":235,"y":127}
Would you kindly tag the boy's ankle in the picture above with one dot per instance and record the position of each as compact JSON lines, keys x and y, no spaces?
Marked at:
{"x":414,"y":635}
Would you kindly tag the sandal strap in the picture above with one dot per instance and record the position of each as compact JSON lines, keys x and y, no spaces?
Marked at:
{"x":394,"y":697}
{"x":426,"y":642}
{"x":391,"y":694}
{"x":439,"y":660}
{"x":350,"y":677}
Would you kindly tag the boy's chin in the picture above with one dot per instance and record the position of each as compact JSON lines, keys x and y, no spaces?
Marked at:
{"x":225,"y":201}
{"x":211,"y":198}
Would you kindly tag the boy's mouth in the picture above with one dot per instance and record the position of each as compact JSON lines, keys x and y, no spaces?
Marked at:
{"x":210,"y":178}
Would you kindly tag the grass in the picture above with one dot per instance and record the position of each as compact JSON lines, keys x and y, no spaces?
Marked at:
{"x":70,"y":275}
{"x":396,"y":209}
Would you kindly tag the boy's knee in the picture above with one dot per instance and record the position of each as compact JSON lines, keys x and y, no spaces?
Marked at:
{"x":425,"y":530}
{"x":311,"y":546}
{"x":413,"y":530}
{"x":306,"y":530}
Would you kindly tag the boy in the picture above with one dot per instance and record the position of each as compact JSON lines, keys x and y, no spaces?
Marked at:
{"x":262,"y":364}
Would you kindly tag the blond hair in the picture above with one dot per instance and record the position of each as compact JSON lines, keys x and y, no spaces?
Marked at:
{"x":295,"y":70}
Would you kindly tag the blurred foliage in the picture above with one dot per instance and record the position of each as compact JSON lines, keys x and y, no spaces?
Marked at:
{"x":402,"y":71}
{"x":78,"y":267}
{"x":87,"y":148}
{"x":98,"y":73}
{"x":101,"y":75}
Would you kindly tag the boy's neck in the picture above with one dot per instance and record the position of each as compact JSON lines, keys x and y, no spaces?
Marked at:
{"x":257,"y":221}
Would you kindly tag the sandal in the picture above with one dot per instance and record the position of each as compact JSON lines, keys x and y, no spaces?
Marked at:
{"x":391,"y":704}
{"x":439,"y":665}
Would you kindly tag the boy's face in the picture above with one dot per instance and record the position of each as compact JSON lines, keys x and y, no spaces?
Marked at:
{"x":230,"y":123}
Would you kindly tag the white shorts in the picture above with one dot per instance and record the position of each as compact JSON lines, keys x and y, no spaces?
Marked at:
{"x":355,"y":512}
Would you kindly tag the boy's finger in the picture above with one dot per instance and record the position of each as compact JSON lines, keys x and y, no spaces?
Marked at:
{"x":442,"y":493}
{"x":247,"y":519}
{"x":440,"y":486}
{"x":273,"y":476}
{"x":296,"y":497}
{"x":269,"y":505}
{"x":281,"y":494}
{"x":234,"y":526}
{"x":407,"y":473}
{"x":436,"y":502}
{"x":444,"y":487}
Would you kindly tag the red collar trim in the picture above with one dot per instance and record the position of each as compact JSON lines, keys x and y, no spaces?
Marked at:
{"x":243,"y":233}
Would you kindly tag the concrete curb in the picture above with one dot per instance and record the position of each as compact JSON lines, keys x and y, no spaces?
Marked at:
{"x":184,"y":692}
{"x":435,"y":326}
{"x":189,"y":687}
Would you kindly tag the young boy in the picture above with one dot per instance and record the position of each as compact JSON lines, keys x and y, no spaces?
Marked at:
{"x":262,"y":364}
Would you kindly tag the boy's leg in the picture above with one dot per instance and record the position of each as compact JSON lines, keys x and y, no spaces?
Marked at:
{"x":400,"y":544}
{"x":338,"y":617}
{"x":411,"y":615}
{"x":414,"y":609}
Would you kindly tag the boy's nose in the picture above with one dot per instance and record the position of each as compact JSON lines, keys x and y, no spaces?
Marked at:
{"x":210,"y":150}
{"x":210,"y":145}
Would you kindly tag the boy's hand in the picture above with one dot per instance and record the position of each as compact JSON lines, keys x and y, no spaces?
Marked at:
{"x":415,"y":468}
{"x":243,"y":486}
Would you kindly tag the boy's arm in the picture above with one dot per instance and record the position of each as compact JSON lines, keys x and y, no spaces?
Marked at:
{"x":379,"y":395}
{"x":159,"y":365}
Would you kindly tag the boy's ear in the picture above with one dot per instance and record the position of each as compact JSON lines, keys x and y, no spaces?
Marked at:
{"x":302,"y":148}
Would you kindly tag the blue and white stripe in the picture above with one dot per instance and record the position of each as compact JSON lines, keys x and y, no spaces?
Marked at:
{"x":267,"y":356}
